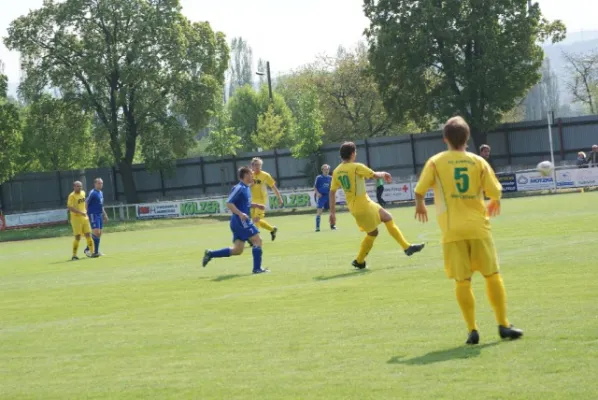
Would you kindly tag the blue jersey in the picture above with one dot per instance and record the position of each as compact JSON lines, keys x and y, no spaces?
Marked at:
{"x":95,"y":202}
{"x":240,"y":196}
{"x":323,"y":184}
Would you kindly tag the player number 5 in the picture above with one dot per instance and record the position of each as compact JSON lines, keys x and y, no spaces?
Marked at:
{"x":462,"y":179}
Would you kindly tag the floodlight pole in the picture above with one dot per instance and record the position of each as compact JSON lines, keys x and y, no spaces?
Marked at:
{"x":267,"y":73}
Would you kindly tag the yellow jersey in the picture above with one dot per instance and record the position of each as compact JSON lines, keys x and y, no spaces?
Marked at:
{"x":459,"y":180}
{"x":259,"y":191}
{"x":351,"y":178}
{"x":77,"y":201}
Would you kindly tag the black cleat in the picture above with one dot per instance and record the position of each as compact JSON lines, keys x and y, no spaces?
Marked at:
{"x":260,"y":271}
{"x":317,"y":229}
{"x":414,"y":248}
{"x":273,"y":233}
{"x":473,"y":338}
{"x":509,"y":332}
{"x":207,"y":257}
{"x":358,"y":265}
{"x":333,"y":227}
{"x":75,"y":258}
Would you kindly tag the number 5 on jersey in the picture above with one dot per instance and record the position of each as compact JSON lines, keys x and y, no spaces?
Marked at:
{"x":461,"y":180}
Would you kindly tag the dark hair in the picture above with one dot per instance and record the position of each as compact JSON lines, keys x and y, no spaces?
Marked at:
{"x":456,"y":132}
{"x":244,"y":171}
{"x":347,"y":150}
{"x":484,"y":147}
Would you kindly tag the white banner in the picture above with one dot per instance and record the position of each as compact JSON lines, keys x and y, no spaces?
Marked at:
{"x":168,"y":209}
{"x":533,"y":181}
{"x":38,"y":218}
{"x":585,"y":177}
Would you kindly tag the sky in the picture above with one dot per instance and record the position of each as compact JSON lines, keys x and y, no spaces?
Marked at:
{"x":291,"y":33}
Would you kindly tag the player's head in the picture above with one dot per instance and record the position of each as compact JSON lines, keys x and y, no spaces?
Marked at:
{"x":595,"y":148}
{"x":77,"y":187}
{"x":456,"y":133}
{"x":485,"y":151}
{"x":246,"y":175}
{"x":348,"y":151}
{"x":256,"y":164}
{"x":98,"y":183}
{"x":581,"y":155}
{"x":325,"y":169}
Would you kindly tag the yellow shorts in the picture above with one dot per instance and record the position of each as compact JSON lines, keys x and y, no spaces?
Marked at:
{"x":367,"y":215}
{"x":463,"y":258}
{"x":257,"y":213}
{"x":80,"y":226}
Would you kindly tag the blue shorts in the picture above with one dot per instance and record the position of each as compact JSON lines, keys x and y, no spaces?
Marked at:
{"x":96,"y":221}
{"x":243,"y":230}
{"x":324,"y":202}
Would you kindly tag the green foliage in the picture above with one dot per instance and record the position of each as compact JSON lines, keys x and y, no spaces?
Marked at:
{"x":10,"y":133}
{"x":309,"y":131}
{"x":245,"y":109}
{"x":149,"y":74}
{"x":456,"y":57}
{"x":222,"y":140}
{"x":583,"y":84}
{"x":57,"y":135}
{"x":241,"y":65}
{"x":270,"y":130}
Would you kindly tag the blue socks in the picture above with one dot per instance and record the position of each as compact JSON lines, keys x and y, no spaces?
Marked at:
{"x":257,"y":258}
{"x":318,"y":219}
{"x":96,"y":243}
{"x":222,"y":253}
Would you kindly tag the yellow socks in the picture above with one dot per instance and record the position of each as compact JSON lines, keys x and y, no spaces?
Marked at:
{"x":75,"y":247}
{"x":466,"y":303}
{"x":366,"y":246}
{"x":266,"y":225}
{"x":495,"y":290}
{"x":396,"y":234}
{"x":90,"y":244}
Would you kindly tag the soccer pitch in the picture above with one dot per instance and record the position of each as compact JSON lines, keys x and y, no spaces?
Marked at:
{"x":147,"y":321}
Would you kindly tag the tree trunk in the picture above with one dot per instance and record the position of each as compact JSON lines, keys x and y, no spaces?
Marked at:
{"x":126,"y":173}
{"x":479,"y":138}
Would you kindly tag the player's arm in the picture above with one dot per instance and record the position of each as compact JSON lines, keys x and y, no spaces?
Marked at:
{"x":334,"y":186}
{"x":492,"y":189}
{"x":232,"y":207}
{"x":272,"y":183}
{"x":369,"y":173}
{"x":71,"y":206}
{"x":318,"y":194}
{"x":426,"y":181}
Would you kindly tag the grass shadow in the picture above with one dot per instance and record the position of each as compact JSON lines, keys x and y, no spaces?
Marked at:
{"x":342,"y":276}
{"x":64,"y":262}
{"x":461,"y":352}
{"x":222,"y":278}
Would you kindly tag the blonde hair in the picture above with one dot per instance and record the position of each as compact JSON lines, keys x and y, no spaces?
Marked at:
{"x":325,"y":166}
{"x":257,"y":160}
{"x":581,"y":153}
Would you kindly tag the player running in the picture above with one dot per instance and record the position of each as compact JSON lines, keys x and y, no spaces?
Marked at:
{"x":242,"y":227}
{"x":97,"y":216}
{"x":322,"y":191}
{"x":79,"y":220}
{"x":351,"y":177}
{"x":459,"y":179}
{"x":259,"y":194}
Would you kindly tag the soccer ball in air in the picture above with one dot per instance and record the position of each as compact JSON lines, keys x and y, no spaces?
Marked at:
{"x":545,"y":168}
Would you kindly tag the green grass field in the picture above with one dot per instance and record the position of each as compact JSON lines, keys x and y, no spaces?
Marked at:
{"x":147,"y":321}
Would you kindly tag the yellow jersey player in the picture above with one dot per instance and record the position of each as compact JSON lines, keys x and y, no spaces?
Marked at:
{"x":460,"y":179}
{"x":79,"y":220}
{"x":351,"y":176}
{"x":259,"y":194}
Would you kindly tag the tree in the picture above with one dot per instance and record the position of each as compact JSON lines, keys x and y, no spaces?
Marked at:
{"x":475,"y":58}
{"x":544,"y":97}
{"x":222,"y":141}
{"x":57,"y":135}
{"x":309,"y":131}
{"x":150,"y":75}
{"x":270,"y":130}
{"x":10,"y":135}
{"x":262,"y":67}
{"x":241,"y":65}
{"x":584,"y":83}
{"x":245,"y":108}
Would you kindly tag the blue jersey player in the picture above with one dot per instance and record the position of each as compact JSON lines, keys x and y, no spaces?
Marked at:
{"x":241,"y":225}
{"x":97,"y":215}
{"x":322,"y":191}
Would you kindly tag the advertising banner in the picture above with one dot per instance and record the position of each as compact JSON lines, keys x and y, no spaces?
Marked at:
{"x":39,"y":218}
{"x":508,"y":182}
{"x":533,"y":181}
{"x":169,"y":209}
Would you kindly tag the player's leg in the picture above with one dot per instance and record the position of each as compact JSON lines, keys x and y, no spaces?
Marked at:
{"x":485,"y":261}
{"x":396,"y":233}
{"x":257,"y":253}
{"x":235,"y":250}
{"x":326,"y":207}
{"x":366,"y":246}
{"x":258,"y":218}
{"x":318,"y":218}
{"x":86,"y":230}
{"x":76,"y":247}
{"x":97,"y":223}
{"x":457,"y":265}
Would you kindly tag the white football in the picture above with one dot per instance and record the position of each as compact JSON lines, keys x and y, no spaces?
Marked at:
{"x":545,"y":168}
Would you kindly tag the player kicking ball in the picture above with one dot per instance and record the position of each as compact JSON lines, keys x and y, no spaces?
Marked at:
{"x":322,"y":192}
{"x":351,"y":176}
{"x":460,"y":179}
{"x":241,"y":225}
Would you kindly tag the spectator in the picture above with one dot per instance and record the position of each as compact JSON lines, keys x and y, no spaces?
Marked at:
{"x":593,"y":157}
{"x":379,"y":191}
{"x":485,"y":154}
{"x":581,"y":160}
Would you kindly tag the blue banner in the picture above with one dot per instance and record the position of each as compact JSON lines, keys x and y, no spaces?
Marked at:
{"x":508,"y":182}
